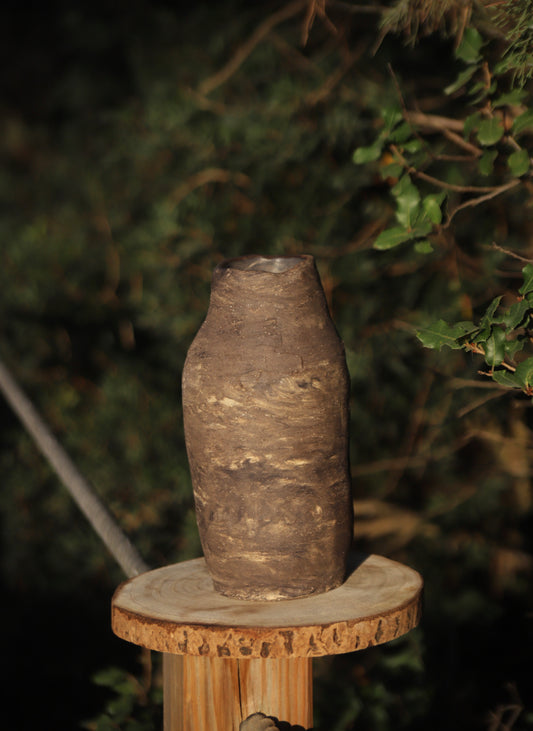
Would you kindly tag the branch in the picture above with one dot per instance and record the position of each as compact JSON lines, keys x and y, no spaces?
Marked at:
{"x":242,"y":53}
{"x":482,"y":198}
{"x":203,"y":177}
{"x":442,"y":183}
{"x":83,"y":494}
{"x":511,"y":253}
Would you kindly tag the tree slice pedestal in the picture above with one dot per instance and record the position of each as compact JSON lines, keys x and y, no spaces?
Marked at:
{"x":228,"y":658}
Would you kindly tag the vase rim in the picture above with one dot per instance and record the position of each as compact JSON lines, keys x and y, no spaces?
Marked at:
{"x":257,"y":263}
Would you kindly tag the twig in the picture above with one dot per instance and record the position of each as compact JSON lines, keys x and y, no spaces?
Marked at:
{"x":203,"y":177}
{"x":502,"y":391}
{"x":442,"y":183}
{"x":120,"y":547}
{"x":434,"y":121}
{"x":482,"y":198}
{"x":494,"y":245}
{"x":242,"y":53}
{"x":333,"y":79}
{"x":314,"y":8}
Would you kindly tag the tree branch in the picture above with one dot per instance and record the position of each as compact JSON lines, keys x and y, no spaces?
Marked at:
{"x":242,"y":53}
{"x":482,"y":198}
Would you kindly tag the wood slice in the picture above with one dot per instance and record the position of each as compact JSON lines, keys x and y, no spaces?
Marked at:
{"x":176,"y":610}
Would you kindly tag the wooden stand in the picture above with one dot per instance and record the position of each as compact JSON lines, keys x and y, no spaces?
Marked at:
{"x":228,"y":658}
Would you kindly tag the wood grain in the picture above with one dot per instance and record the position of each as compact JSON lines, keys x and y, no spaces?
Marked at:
{"x":216,"y":694}
{"x":176,"y":610}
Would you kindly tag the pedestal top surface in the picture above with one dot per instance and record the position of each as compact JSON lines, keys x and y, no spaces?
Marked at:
{"x":175,"y":609}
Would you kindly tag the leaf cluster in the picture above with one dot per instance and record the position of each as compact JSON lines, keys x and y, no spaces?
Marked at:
{"x":500,"y":337}
{"x":475,"y":159}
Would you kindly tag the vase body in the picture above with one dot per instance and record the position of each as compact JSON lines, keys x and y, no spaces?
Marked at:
{"x":265,"y":402}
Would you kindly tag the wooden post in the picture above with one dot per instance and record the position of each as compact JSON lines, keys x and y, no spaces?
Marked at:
{"x":227,"y":658}
{"x":198,"y":691}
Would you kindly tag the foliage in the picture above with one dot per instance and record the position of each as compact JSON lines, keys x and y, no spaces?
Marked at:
{"x":175,"y":137}
{"x":499,"y":337}
{"x":134,"y":707}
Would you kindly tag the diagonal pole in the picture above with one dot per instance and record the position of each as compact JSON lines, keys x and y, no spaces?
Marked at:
{"x":117,"y":543}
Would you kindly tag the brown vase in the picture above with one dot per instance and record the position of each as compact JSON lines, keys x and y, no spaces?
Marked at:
{"x":265,"y":400}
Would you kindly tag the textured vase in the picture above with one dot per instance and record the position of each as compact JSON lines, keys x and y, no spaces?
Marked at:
{"x":265,"y":399}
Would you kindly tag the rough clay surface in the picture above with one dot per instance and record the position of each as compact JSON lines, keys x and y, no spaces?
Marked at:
{"x":265,"y":398}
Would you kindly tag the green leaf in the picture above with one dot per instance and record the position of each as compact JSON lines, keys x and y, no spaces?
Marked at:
{"x":527,"y":273}
{"x":495,"y":348}
{"x":523,"y":122}
{"x":423,"y":247}
{"x":518,"y":162}
{"x":391,"y":117}
{"x":407,"y":201}
{"x":485,"y":164}
{"x":512,"y":347}
{"x":392,"y":237}
{"x":510,"y":98}
{"x":471,"y":123}
{"x":488,"y":318}
{"x":490,"y":131}
{"x":516,"y":314}
{"x":422,"y":227}
{"x":524,"y":373}
{"x":431,"y":206}
{"x":480,"y":91}
{"x":412,"y":146}
{"x":461,"y":80}
{"x":506,"y":378}
{"x":368,"y":154}
{"x":470,"y":46}
{"x":440,"y":333}
{"x":401,"y":133}
{"x":392,"y":170}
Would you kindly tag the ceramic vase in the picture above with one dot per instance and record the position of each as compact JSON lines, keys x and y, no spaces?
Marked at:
{"x":265,"y":401}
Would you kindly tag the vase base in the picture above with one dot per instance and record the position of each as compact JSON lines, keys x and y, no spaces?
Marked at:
{"x":275,"y":593}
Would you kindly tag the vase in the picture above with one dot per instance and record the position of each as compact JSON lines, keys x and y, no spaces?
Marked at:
{"x":265,"y":403}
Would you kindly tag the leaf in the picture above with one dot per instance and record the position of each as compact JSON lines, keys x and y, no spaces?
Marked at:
{"x":523,"y":122}
{"x":506,"y":378}
{"x":510,"y":98}
{"x":392,"y":170}
{"x":470,"y":123}
{"x":495,"y":348}
{"x":407,"y":201}
{"x":422,"y":228}
{"x":485,"y":164}
{"x":488,"y":317}
{"x":527,"y":273}
{"x":423,"y":247}
{"x":516,"y":314}
{"x":401,"y":133}
{"x":470,"y":46}
{"x":392,"y":237}
{"x":391,"y":117}
{"x":461,"y":80}
{"x":518,"y":162}
{"x":490,"y":131}
{"x":431,"y":206}
{"x":524,"y":372}
{"x":440,"y":333}
{"x":412,"y":146}
{"x":370,"y":153}
{"x":512,"y":347}
{"x":480,"y":91}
